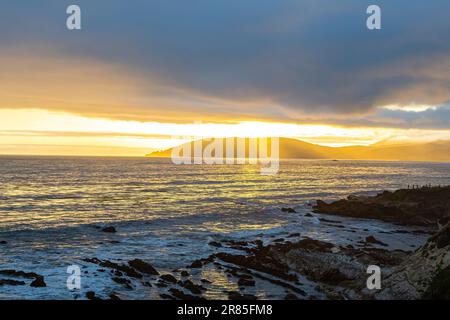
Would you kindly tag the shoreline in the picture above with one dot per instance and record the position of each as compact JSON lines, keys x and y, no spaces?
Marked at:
{"x":286,"y":266}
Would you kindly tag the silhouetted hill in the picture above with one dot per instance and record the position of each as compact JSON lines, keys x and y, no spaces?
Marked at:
{"x":297,"y":149}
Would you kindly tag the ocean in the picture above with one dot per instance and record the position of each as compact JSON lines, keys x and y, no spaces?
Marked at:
{"x":52,"y":210}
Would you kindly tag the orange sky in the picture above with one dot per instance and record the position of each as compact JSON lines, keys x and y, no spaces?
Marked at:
{"x":43,"y":132}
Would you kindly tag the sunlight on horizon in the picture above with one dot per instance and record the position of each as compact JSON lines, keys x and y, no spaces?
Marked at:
{"x":38,"y":131}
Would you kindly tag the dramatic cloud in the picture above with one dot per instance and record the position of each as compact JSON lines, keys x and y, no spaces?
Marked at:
{"x":283,"y":59}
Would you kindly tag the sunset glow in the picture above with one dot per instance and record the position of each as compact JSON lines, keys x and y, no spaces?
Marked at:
{"x":33,"y":131}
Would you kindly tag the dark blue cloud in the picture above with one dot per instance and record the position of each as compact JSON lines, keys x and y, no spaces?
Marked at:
{"x":306,"y":55}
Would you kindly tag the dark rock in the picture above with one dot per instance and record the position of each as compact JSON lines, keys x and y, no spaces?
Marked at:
{"x":109,"y":229}
{"x":143,"y":267}
{"x":14,"y":273}
{"x":196,"y":264}
{"x":439,"y":289}
{"x":184,"y":273}
{"x":168,"y":278}
{"x":294,"y":235}
{"x":115,"y":266}
{"x":372,"y":239}
{"x":38,"y":282}
{"x":181,"y":295}
{"x":195,"y":289}
{"x":113,"y":296}
{"x":309,"y":244}
{"x":3,"y":242}
{"x":215,"y":244}
{"x":290,"y":296}
{"x":332,"y":276}
{"x":123,"y":281}
{"x":161,"y":284}
{"x":242,"y":282}
{"x":91,"y":295}
{"x":11,"y":282}
{"x":442,"y":238}
{"x":422,"y":206}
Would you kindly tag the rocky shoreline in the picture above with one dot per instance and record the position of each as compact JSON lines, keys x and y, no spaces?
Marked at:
{"x":298,"y":266}
{"x":426,"y":206}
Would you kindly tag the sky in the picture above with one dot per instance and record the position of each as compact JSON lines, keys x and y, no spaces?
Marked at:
{"x":147,"y":75}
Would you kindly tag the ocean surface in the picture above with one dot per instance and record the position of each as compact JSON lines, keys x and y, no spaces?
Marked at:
{"x":51,"y":209}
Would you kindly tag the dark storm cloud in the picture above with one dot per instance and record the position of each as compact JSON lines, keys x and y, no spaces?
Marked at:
{"x":310,"y":56}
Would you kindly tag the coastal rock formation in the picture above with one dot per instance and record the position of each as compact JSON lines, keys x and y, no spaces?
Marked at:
{"x":425,"y":206}
{"x":423,"y":274}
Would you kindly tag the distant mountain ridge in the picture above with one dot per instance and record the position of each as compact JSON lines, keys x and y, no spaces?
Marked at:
{"x":438,"y":151}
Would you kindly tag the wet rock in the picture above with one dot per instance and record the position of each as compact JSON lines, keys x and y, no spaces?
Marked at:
{"x":294,"y":235}
{"x":11,"y":282}
{"x":262,"y":261}
{"x":311,"y":245}
{"x":184,"y":273}
{"x":215,"y":244}
{"x":205,"y":281}
{"x":14,"y":273}
{"x":442,"y":238}
{"x":332,"y":276}
{"x":143,"y":267}
{"x":181,"y":295}
{"x":131,"y":272}
{"x":195,"y":289}
{"x":113,"y":296}
{"x":290,"y":296}
{"x":168,"y":278}
{"x":421,"y":207}
{"x":196,"y":264}
{"x":242,"y":282}
{"x":38,"y":282}
{"x":161,"y":284}
{"x":166,"y":296}
{"x":122,"y":281}
{"x":372,"y":239}
{"x":91,"y":295}
{"x":109,"y":229}
{"x":258,"y":243}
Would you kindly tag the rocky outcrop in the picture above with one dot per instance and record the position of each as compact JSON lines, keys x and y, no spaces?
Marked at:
{"x":423,"y":274}
{"x":425,"y":206}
